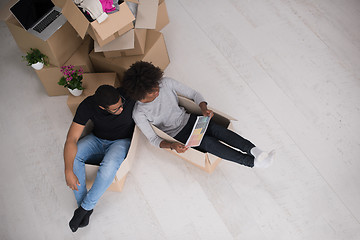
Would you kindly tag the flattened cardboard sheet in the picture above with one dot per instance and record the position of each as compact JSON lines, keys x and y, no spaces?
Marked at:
{"x":147,"y":14}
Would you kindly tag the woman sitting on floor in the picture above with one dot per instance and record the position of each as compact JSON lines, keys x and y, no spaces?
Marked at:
{"x":157,"y":104}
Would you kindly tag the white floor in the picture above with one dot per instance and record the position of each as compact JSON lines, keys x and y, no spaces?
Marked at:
{"x":288,"y":70}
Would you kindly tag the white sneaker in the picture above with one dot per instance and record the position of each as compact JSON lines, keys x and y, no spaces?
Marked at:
{"x":264,"y":160}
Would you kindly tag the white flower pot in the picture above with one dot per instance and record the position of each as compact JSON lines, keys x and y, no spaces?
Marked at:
{"x":75,"y":92}
{"x":38,"y":65}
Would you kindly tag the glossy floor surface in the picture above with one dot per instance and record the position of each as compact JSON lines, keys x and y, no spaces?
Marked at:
{"x":288,"y":70}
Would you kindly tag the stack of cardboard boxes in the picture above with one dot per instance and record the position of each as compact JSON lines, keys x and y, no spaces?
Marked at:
{"x":125,"y":37}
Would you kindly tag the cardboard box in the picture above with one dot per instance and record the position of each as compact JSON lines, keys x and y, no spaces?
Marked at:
{"x":120,"y":47}
{"x":54,"y":47}
{"x":49,"y":76}
{"x":120,"y":177}
{"x":162,"y":16}
{"x":116,"y":24}
{"x":155,"y":52}
{"x":100,"y":42}
{"x":81,"y":57}
{"x":205,"y":161}
{"x":91,"y":82}
{"x":130,"y":44}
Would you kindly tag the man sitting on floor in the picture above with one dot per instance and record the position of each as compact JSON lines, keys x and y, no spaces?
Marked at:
{"x":106,"y":146}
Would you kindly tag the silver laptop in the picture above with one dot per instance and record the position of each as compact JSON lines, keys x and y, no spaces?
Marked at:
{"x":39,"y":17}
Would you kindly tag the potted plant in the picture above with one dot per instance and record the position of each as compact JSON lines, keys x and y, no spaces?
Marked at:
{"x":72,"y":79}
{"x":36,"y":59}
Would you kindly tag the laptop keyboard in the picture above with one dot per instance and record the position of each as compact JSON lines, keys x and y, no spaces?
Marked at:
{"x":46,"y":21}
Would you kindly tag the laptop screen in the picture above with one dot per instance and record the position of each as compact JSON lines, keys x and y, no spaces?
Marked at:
{"x":29,"y":12}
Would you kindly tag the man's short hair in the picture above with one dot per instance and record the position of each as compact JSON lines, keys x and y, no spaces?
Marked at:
{"x":106,"y":95}
{"x":140,"y":79}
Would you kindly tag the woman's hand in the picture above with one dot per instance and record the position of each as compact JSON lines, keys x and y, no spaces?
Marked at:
{"x":178,"y":147}
{"x":205,"y":111}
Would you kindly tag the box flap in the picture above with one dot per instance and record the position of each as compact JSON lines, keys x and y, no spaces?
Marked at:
{"x":147,"y":14}
{"x":126,"y":41}
{"x":158,"y":47}
{"x":141,"y":38}
{"x":162,"y":17}
{"x":152,"y":38}
{"x":76,"y":18}
{"x":192,"y":155}
{"x":115,"y":22}
{"x":101,"y":42}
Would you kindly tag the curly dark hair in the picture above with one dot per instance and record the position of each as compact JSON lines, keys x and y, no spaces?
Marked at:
{"x":140,"y":79}
{"x":106,"y":95}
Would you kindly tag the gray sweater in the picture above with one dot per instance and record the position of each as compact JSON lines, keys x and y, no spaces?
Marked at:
{"x":164,"y":112}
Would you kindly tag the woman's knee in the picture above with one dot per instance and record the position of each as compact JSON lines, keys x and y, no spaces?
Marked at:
{"x":208,"y":143}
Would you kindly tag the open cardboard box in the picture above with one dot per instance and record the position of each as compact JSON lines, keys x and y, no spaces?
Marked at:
{"x":50,"y":75}
{"x":116,"y":24}
{"x":205,"y":161}
{"x":120,"y":177}
{"x":91,"y":81}
{"x":151,"y":15}
{"x":155,"y":52}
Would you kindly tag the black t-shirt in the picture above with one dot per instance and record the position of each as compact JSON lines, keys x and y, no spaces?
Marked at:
{"x":106,"y":125}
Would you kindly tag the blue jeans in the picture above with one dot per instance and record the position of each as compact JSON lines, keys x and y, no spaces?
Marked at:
{"x":109,"y":155}
{"x":211,"y":142}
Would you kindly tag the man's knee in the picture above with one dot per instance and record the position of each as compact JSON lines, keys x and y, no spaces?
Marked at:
{"x":118,"y":150}
{"x":108,"y":169}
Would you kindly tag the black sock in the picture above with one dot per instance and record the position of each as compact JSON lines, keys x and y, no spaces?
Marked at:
{"x":79,"y":214}
{"x":86,"y":219}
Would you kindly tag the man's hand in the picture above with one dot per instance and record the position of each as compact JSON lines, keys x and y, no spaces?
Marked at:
{"x":205,"y":111}
{"x":178,"y":147}
{"x":71,"y":180}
